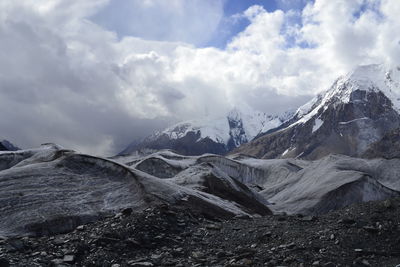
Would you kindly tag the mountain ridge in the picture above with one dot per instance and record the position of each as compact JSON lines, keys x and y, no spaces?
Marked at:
{"x":356,"y":111}
{"x":210,"y":135}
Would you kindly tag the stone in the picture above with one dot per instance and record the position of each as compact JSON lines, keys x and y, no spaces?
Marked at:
{"x":197,"y":254}
{"x":58,"y":241}
{"x":387,"y":204}
{"x":69,"y":258}
{"x":365,"y":262}
{"x":156,"y":256}
{"x":371,"y":229}
{"x":127,"y":211}
{"x":56,"y":261}
{"x":281,"y":218}
{"x":247,"y":262}
{"x":141,"y":264}
{"x":347,"y":221}
{"x":221,"y":254}
{"x":212,"y":226}
{"x":308,"y":218}
{"x":4,"y":262}
{"x":291,"y":245}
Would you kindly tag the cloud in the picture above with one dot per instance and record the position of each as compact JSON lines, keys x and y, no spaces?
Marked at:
{"x":69,"y":78}
{"x":192,"y":21}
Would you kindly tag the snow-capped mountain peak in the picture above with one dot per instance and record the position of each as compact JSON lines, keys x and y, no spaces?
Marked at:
{"x":215,"y":129}
{"x":359,"y":109}
{"x":242,"y":124}
{"x":369,"y":78}
{"x":213,"y":135}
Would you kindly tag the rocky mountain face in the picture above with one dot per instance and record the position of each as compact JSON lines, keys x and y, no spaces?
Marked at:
{"x":7,"y":146}
{"x":351,"y":118}
{"x":387,"y":147}
{"x":210,"y":135}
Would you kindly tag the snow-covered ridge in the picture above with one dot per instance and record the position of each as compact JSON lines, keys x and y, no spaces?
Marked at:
{"x":241,"y":124}
{"x":370,"y":78}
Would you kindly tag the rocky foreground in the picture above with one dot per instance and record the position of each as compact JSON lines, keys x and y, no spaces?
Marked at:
{"x":365,"y":234}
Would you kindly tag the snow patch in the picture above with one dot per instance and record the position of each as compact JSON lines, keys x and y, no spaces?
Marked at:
{"x":347,"y":122}
{"x":287,"y":151}
{"x":317,"y":124}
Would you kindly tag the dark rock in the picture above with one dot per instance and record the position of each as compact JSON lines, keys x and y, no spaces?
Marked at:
{"x":4,"y":262}
{"x":161,"y":243}
{"x":15,"y":245}
{"x":347,"y":221}
{"x":308,"y":218}
{"x":371,"y":229}
{"x":69,"y":258}
{"x":213,"y":227}
{"x":127,"y":211}
{"x":141,"y":264}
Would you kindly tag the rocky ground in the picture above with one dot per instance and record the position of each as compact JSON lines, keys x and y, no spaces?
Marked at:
{"x":367,"y":234}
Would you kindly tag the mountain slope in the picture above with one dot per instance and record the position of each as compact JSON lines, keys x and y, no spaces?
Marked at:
{"x":7,"y":146}
{"x":357,"y":111}
{"x":211,"y":135}
{"x":387,"y":147}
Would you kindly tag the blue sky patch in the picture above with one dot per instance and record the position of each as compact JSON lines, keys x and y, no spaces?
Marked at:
{"x":123,"y":18}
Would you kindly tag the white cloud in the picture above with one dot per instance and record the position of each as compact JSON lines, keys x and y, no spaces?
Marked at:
{"x":64,"y":78}
{"x":193,"y":21}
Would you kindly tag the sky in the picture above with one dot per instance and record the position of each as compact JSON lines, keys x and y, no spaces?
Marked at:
{"x":95,"y":75}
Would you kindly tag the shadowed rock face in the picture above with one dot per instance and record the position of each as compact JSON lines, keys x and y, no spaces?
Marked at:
{"x":187,"y":145}
{"x":387,"y":147}
{"x":362,"y":190}
{"x":7,"y":146}
{"x":3,"y":148}
{"x":206,"y":177}
{"x":158,"y":167}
